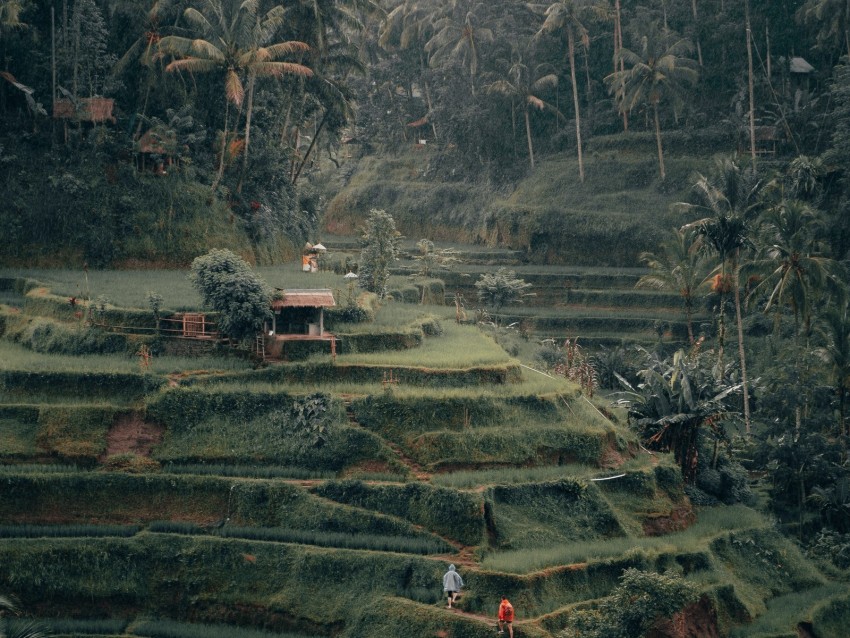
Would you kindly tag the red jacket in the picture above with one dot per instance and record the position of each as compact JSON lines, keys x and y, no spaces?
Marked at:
{"x":506,"y":611}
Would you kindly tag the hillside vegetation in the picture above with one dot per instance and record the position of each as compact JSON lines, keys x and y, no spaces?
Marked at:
{"x":207,"y":490}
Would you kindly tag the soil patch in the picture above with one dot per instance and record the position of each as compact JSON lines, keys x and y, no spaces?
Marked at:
{"x":131,"y":434}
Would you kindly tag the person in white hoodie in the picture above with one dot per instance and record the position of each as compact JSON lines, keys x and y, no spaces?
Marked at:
{"x":452,"y":582}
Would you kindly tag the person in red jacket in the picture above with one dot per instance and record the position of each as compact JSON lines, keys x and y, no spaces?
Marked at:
{"x":506,"y":617}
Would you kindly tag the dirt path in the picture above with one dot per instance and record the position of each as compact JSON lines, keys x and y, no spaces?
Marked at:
{"x":131,"y":434}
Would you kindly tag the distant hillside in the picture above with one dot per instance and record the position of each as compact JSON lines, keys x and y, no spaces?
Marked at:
{"x":621,"y":209}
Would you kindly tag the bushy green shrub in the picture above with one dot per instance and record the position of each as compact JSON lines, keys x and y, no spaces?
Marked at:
{"x":229,"y":286}
{"x":639,"y":602}
{"x":114,"y":386}
{"x":49,"y":336}
{"x":832,"y":547}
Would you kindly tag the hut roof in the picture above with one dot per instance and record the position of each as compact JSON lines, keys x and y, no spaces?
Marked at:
{"x":88,"y":109}
{"x":305,"y":298}
{"x":799,"y":65}
{"x":160,"y":142}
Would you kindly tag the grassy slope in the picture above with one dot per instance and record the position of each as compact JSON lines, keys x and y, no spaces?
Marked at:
{"x":620,"y":210}
{"x":548,"y":536}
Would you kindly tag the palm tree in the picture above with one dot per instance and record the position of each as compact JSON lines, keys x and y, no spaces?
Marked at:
{"x":525,"y":84}
{"x":144,"y":49}
{"x":728,"y":202}
{"x":834,"y":329}
{"x":566,"y":17}
{"x":10,"y":15}
{"x":793,"y":271}
{"x":832,"y":17}
{"x":457,"y":38}
{"x":28,"y":629}
{"x":660,"y":70}
{"x":681,"y":267}
{"x":234,"y":38}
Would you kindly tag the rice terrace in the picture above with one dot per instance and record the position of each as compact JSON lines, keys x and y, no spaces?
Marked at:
{"x":424,"y":319}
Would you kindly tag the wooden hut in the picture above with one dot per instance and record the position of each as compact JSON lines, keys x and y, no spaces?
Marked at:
{"x":87,"y":109}
{"x":298,"y":315}
{"x":156,"y":148}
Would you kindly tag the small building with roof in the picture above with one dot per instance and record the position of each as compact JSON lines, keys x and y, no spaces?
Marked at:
{"x":298,"y":315}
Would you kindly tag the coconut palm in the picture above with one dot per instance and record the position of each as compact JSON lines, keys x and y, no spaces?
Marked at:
{"x":659,"y":71}
{"x":568,"y":17}
{"x":728,"y":202}
{"x":26,"y":629}
{"x":143,"y":50}
{"x":794,"y":272}
{"x":681,"y":267}
{"x":834,"y":329}
{"x":831,"y":18}
{"x":10,"y":14}
{"x":459,"y":37}
{"x":233,"y":37}
{"x":524,"y":84}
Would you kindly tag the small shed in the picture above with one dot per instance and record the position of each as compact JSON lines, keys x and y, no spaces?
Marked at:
{"x":301,"y":311}
{"x":87,"y":109}
{"x":800,"y":72}
{"x":298,"y":315}
{"x":159,"y":147}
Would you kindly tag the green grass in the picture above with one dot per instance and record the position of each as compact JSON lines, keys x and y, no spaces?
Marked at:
{"x":15,"y":357}
{"x":512,"y":475}
{"x":784,"y":612}
{"x":458,"y":347}
{"x":174,"y":629}
{"x":710,"y":523}
{"x":129,"y":288}
{"x":67,"y":531}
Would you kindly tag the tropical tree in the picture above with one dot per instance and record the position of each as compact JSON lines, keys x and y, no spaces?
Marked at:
{"x":525,"y":85}
{"x":567,"y":17}
{"x":793,"y":269}
{"x":234,"y":38}
{"x":679,"y":267}
{"x":458,"y":36}
{"x":25,"y":629}
{"x":675,"y":401}
{"x":831,"y":18}
{"x":144,"y":49}
{"x":228,"y":286}
{"x":834,"y":329}
{"x":10,"y":14}
{"x":659,"y":71}
{"x":728,"y":202}
{"x":501,"y":288}
{"x":380,"y":249}
{"x":794,"y":273}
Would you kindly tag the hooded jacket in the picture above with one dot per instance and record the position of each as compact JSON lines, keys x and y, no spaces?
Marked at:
{"x":452,"y":580}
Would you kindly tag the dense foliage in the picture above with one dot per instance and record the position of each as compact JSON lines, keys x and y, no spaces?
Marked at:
{"x":229,"y":287}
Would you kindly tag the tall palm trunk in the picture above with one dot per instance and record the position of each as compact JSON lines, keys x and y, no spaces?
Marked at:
{"x":752,"y":114}
{"x":251,"y":80}
{"x":528,"y":136}
{"x":618,"y":45}
{"x":741,"y":354}
{"x":658,"y":141}
{"x":696,"y":27}
{"x":689,"y":319}
{"x":220,"y":173}
{"x":571,"y":43}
